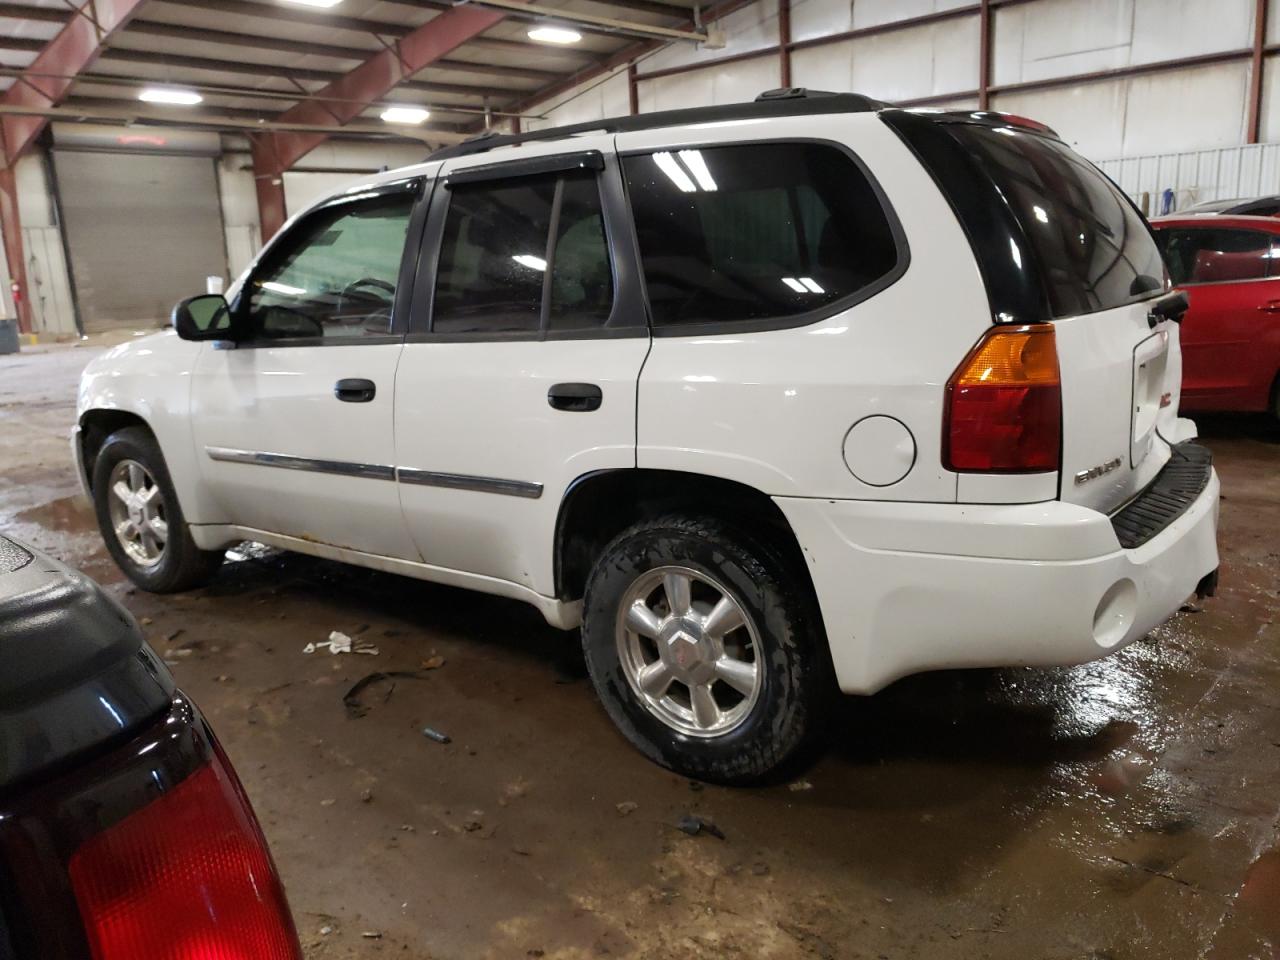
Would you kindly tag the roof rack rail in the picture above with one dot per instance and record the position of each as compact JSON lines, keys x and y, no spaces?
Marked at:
{"x":783,"y":102}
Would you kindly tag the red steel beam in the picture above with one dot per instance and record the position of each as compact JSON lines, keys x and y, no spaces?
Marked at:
{"x":1254,"y":127}
{"x":784,"y":42}
{"x":350,"y":95}
{"x":11,"y":237}
{"x":984,"y":54}
{"x":75,"y":47}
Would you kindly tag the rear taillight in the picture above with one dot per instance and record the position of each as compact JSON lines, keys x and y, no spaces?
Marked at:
{"x":187,"y":877}
{"x":1004,"y":404}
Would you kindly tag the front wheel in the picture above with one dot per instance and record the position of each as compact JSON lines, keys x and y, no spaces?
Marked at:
{"x":140,"y":519}
{"x":704,"y":651}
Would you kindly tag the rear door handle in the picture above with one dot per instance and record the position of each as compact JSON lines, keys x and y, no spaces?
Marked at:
{"x":575,"y":397}
{"x":355,"y":390}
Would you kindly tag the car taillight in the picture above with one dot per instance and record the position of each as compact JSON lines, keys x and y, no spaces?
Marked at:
{"x":1004,"y":404}
{"x":187,"y":877}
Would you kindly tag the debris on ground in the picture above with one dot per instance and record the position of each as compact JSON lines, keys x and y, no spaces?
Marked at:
{"x":357,"y":708}
{"x":800,"y":786}
{"x":433,"y":734}
{"x":695,"y":826}
{"x":339,"y":642}
{"x":1191,"y":606}
{"x":366,"y":795}
{"x":627,"y":807}
{"x":328,"y":802}
{"x":371,"y":934}
{"x":169,"y":638}
{"x":146,"y":621}
{"x":434,"y":662}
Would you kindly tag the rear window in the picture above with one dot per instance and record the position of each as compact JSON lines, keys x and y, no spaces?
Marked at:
{"x":757,"y":232}
{"x":1093,"y":249}
{"x":1216,"y":255}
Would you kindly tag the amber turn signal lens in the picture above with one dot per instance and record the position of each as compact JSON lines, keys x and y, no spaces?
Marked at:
{"x":1004,"y":404}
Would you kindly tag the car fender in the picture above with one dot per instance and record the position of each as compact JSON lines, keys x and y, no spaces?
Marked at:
{"x":150,"y":378}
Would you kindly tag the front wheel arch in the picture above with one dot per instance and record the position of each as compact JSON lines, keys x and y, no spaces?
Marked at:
{"x":98,"y":424}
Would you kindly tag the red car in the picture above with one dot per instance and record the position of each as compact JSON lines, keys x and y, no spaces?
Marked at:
{"x":1230,"y":269}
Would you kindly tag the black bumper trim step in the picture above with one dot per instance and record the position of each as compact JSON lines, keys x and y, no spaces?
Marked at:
{"x":1174,"y":489}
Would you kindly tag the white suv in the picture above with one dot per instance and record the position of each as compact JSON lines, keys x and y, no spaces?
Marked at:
{"x":762,"y":396}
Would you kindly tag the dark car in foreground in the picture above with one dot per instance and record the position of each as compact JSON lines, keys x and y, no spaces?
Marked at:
{"x":124,"y":832}
{"x":1239,"y":206}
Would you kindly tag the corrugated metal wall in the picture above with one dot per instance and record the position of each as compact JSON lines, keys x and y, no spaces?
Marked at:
{"x":1226,"y":173}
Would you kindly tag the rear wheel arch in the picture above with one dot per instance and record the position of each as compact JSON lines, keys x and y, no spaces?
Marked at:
{"x":96,"y":426}
{"x":598,"y":506}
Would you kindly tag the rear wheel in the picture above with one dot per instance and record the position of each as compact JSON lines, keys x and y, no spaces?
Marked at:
{"x":703,"y":650}
{"x":140,"y":518}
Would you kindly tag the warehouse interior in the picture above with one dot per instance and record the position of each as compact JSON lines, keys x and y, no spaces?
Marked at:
{"x":1123,"y":808}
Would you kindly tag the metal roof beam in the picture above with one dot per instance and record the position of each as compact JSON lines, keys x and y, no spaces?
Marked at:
{"x":349,"y":95}
{"x":75,"y":47}
{"x":301,"y":74}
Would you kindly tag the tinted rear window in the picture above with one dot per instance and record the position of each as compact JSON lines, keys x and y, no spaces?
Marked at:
{"x":1093,"y":249}
{"x":757,"y":232}
{"x":1215,"y":255}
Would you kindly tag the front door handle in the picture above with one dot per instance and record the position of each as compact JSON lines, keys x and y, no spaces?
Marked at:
{"x":355,"y":390}
{"x":575,"y":397}
{"x":1271,"y":306}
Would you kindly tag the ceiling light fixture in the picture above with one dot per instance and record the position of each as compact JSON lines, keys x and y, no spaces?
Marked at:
{"x":316,"y":3}
{"x":405,"y":114}
{"x":170,"y":95}
{"x":546,"y":34}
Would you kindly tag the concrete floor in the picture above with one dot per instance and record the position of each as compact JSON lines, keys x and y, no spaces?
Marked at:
{"x":1128,"y":808}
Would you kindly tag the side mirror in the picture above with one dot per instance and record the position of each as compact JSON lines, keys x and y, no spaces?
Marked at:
{"x":206,"y":317}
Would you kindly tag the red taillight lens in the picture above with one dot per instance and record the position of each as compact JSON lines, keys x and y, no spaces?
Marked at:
{"x":187,"y":877}
{"x":1004,"y":404}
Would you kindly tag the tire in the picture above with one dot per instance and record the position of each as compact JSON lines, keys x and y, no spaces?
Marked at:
{"x":177,"y":564}
{"x":769,"y":723}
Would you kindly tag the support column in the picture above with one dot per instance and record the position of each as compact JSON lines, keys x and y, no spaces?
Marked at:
{"x":784,"y":41}
{"x":268,"y":182}
{"x":1254,"y":127}
{"x":11,"y":229}
{"x":984,"y":55}
{"x":633,"y":93}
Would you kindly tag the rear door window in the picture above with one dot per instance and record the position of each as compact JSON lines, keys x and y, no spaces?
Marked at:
{"x":1093,"y":248}
{"x":1216,"y":255}
{"x":759,"y":232}
{"x":523,"y":256}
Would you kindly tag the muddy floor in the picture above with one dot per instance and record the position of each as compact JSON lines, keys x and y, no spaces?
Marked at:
{"x":1128,"y":808}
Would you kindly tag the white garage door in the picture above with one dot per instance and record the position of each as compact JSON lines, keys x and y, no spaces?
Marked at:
{"x":143,"y":231}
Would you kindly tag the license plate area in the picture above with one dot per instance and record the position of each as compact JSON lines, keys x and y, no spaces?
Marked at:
{"x":1150,"y":366}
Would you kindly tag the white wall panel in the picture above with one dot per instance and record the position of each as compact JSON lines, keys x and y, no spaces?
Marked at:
{"x":1166,"y":29}
{"x":1270,"y":129}
{"x":1186,"y":109}
{"x":821,"y":18}
{"x":944,"y":59}
{"x":872,"y":13}
{"x":48,"y":283}
{"x":600,"y":98}
{"x":754,"y":27}
{"x":1222,"y":174}
{"x":1090,"y":118}
{"x":730,"y":83}
{"x":1174,"y":110}
{"x":1053,"y":38}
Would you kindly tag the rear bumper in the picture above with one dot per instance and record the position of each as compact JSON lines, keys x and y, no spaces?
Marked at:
{"x":908,"y":587}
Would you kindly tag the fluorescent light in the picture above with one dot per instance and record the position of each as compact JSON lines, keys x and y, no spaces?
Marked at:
{"x":170,"y":95}
{"x":811,"y":286}
{"x":698,"y":167}
{"x":530,"y":261}
{"x":554,"y":35}
{"x":283,"y":288}
{"x":316,"y":3}
{"x":794,"y":284}
{"x":405,"y":114}
{"x":675,"y":173}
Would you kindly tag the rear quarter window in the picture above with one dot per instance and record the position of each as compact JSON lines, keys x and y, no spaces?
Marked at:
{"x":764,"y":234}
{"x":1093,"y":249}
